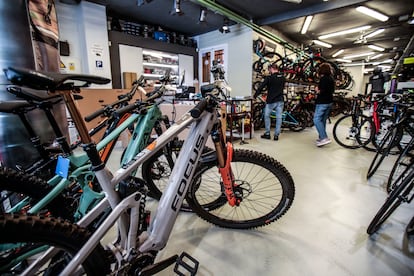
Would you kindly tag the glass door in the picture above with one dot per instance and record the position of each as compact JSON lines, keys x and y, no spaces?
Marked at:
{"x":206,"y":57}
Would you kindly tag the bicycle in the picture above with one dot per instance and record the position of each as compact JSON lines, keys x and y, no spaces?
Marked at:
{"x":393,"y":137}
{"x":403,"y":192}
{"x":72,"y":196}
{"x":354,"y":130}
{"x":293,"y":117}
{"x":137,"y":244}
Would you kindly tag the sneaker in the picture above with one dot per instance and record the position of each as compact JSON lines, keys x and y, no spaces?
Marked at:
{"x":276,"y":137}
{"x":265,"y":136}
{"x":323,"y":142}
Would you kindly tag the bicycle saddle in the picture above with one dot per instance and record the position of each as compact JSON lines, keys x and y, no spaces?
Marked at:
{"x":13,"y":106}
{"x":49,"y":80}
{"x":31,"y":94}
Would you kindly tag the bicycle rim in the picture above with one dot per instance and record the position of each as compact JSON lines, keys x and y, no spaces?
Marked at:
{"x":353,"y":133}
{"x":394,"y":200}
{"x":265,"y":187}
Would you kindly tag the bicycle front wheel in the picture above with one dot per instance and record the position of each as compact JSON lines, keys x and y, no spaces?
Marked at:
{"x":352,"y":131}
{"x":384,"y":149}
{"x":405,"y":160}
{"x":400,"y":194}
{"x":23,"y":237}
{"x":265,"y":187}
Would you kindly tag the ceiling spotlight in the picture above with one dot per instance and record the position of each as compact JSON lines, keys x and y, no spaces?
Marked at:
{"x":374,"y":14}
{"x":203,"y":15}
{"x":321,"y":43}
{"x":177,"y":7}
{"x":225,"y":28}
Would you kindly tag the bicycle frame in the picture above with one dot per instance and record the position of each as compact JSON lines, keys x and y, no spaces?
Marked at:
{"x":81,"y":172}
{"x":170,"y":202}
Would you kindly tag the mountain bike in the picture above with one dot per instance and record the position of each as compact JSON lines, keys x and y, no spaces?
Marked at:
{"x":71,"y":248}
{"x":71,"y":196}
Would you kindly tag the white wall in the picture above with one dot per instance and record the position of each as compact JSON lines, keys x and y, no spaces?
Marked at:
{"x":84,"y":26}
{"x":357,"y":74}
{"x":239,"y":56}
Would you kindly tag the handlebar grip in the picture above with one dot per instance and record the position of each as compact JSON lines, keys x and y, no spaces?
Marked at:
{"x":95,"y":114}
{"x":121,"y":111}
{"x":198,"y":109}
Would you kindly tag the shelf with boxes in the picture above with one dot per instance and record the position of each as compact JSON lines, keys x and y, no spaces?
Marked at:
{"x":156,"y":63}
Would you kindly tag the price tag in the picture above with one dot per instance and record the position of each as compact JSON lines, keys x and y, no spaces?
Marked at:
{"x":62,"y":167}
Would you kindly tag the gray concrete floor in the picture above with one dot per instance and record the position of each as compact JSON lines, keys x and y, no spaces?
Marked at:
{"x":323,"y":233}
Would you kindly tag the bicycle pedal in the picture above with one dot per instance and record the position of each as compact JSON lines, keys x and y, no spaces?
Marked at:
{"x":158,"y":267}
{"x":186,"y":265}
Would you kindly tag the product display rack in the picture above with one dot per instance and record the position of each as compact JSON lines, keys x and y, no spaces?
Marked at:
{"x":155,"y":63}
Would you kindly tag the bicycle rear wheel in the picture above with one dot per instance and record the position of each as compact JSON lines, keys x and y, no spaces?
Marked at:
{"x":264,"y":185}
{"x":34,"y":234}
{"x":396,"y":197}
{"x":352,"y":131}
{"x":20,"y":191}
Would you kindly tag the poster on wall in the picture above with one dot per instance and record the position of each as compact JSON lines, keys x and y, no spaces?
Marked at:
{"x":45,"y":34}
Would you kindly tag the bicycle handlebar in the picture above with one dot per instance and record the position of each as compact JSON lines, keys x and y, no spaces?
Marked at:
{"x":121,"y":99}
{"x":199,"y":108}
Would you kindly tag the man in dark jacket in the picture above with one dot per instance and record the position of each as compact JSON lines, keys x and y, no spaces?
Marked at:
{"x":275,"y":84}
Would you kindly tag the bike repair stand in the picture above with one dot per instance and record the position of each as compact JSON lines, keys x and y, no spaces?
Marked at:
{"x":242,"y":142}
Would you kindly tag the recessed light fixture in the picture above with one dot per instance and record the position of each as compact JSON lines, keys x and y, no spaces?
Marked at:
{"x":370,"y":12}
{"x":321,"y":43}
{"x":338,"y":53}
{"x":359,"y":55}
{"x":306,"y":24}
{"x":376,"y":48}
{"x":349,"y":31}
{"x":374,"y":33}
{"x":376,"y":56}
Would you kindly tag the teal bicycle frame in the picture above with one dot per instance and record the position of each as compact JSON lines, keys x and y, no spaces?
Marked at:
{"x":80,"y":169}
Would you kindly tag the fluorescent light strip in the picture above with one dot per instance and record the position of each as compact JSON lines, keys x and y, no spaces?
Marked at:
{"x":359,"y":55}
{"x":306,"y":24}
{"x":343,"y":60}
{"x":377,"y":48}
{"x":338,"y":53}
{"x":374,"y":33}
{"x":321,"y":43}
{"x":376,"y":56}
{"x":374,"y":14}
{"x":349,"y":31}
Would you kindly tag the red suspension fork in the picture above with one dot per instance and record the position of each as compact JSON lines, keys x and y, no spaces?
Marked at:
{"x":228,"y":177}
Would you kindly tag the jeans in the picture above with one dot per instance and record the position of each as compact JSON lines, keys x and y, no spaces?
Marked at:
{"x":278,"y":107}
{"x":320,"y":117}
